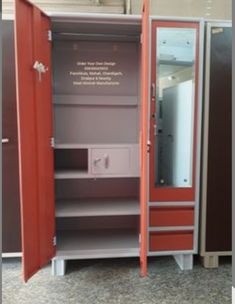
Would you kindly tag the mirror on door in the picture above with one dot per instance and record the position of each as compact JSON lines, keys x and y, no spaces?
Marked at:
{"x":175,"y":104}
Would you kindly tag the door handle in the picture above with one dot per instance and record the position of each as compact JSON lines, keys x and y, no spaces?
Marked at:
{"x":5,"y":140}
{"x":106,"y":161}
{"x":40,"y":68}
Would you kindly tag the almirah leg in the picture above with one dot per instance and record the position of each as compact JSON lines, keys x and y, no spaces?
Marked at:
{"x":211,"y":261}
{"x":184,"y":261}
{"x":58,"y":267}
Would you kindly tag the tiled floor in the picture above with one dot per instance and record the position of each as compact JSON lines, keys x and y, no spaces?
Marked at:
{"x":118,"y":282}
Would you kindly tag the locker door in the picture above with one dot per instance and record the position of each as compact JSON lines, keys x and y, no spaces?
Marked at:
{"x":143,"y":136}
{"x":34,"y":114}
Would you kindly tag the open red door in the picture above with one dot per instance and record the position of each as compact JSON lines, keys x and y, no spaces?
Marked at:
{"x":34,"y":113}
{"x":144,"y":136}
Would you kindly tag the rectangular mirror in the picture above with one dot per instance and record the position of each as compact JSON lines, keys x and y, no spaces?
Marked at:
{"x":175,"y":106}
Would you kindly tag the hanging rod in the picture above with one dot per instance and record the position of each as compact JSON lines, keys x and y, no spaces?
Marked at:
{"x":97,"y":35}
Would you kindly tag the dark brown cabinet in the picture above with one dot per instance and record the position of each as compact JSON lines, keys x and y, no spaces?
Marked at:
{"x":216,"y":208}
{"x":11,"y":239}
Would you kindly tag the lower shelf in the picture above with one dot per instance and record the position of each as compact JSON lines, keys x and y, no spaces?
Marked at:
{"x":97,"y":207}
{"x":89,"y":244}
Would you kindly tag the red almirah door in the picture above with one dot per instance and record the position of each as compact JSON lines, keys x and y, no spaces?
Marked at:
{"x":174,"y":110}
{"x":144,"y":135}
{"x":34,"y":113}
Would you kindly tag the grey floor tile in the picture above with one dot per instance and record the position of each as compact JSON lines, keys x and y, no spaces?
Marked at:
{"x":118,"y":282}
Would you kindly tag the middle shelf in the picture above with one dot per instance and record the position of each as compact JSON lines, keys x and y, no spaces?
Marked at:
{"x":97,"y":207}
{"x":97,"y":161}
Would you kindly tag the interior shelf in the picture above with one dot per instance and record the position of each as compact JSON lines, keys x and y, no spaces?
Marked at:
{"x":93,"y":145}
{"x":97,"y":207}
{"x":88,"y":244}
{"x":87,"y":100}
{"x":71,"y":174}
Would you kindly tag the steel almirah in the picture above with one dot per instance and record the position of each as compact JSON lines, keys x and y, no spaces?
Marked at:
{"x":90,"y":114}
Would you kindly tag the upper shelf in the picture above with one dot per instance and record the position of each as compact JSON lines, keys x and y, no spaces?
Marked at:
{"x":93,"y":146}
{"x":85,"y":100}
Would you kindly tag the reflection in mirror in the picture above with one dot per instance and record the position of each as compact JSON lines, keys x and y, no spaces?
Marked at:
{"x":174,"y":115}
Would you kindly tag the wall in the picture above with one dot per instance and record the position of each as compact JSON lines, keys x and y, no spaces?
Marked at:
{"x":211,"y":9}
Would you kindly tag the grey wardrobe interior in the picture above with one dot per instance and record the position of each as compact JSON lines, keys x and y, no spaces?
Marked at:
{"x":96,"y":106}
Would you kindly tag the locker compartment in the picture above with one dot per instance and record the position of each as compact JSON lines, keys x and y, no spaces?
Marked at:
{"x":171,"y":216}
{"x":111,"y":161}
{"x":171,"y":240}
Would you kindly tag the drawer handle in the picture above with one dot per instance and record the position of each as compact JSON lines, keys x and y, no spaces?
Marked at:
{"x":5,"y":140}
{"x":106,"y":161}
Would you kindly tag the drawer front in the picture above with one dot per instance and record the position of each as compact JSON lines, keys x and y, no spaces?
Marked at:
{"x":111,"y":161}
{"x":174,"y":240}
{"x":171,"y":216}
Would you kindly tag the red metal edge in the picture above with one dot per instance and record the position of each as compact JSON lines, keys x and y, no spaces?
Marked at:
{"x":173,"y":194}
{"x":39,"y":259}
{"x":144,"y":137}
{"x":26,"y":275}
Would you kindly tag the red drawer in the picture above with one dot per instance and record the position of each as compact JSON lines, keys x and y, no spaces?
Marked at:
{"x":171,"y":240}
{"x":171,"y":216}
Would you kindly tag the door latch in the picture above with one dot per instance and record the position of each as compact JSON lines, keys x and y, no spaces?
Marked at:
{"x":155,"y":129}
{"x":153,"y":91}
{"x":40,"y":68}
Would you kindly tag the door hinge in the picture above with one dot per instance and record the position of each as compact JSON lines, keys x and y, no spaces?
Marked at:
{"x":141,"y":38}
{"x":148,"y":146}
{"x":153,"y":91}
{"x":49,"y":35}
{"x":139,"y":238}
{"x":52,"y":142}
{"x":54,"y":241}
